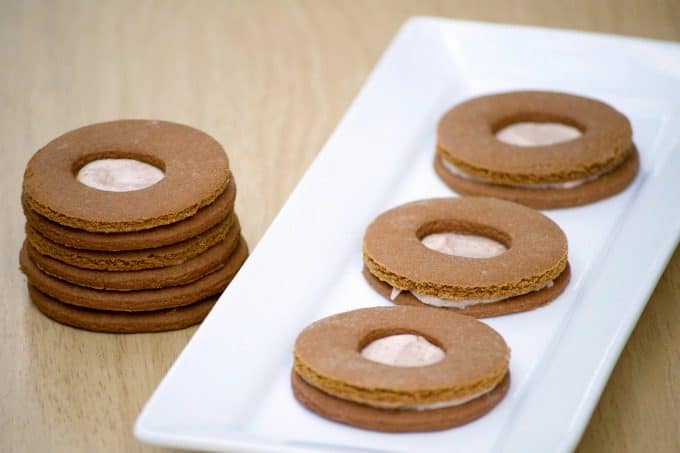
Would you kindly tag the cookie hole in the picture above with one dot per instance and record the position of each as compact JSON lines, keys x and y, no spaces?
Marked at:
{"x":119,"y":171}
{"x":401,"y":348}
{"x":537,"y":129}
{"x":463,"y":239}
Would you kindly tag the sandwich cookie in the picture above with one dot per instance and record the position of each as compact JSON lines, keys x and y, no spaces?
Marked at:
{"x":130,"y":260}
{"x":121,"y":322}
{"x":189,"y":170}
{"x":181,"y":274}
{"x":399,"y":369}
{"x":203,"y":220}
{"x":542,"y":149}
{"x":477,"y":256}
{"x":140,"y":300}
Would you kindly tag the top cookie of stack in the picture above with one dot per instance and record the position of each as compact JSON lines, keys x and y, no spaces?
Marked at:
{"x":130,"y":226}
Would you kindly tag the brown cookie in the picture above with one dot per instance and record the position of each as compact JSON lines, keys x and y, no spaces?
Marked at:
{"x":206,"y":218}
{"x":195,"y":166}
{"x":141,"y":300}
{"x":604,"y":186}
{"x":599,"y":163}
{"x":395,"y":421}
{"x":466,"y":137}
{"x":536,"y":249}
{"x":328,"y":357}
{"x":515,"y":304}
{"x":121,"y":322}
{"x":131,"y":260}
{"x":180,"y":274}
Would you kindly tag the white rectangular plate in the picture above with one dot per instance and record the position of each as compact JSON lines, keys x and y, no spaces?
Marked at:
{"x":229,"y":389}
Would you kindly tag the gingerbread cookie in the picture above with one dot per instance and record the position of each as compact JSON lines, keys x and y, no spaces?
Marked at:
{"x":180,"y":274}
{"x":173,"y":233}
{"x":541,"y":149}
{"x":479,"y":256}
{"x":121,"y":322}
{"x":194,"y":167}
{"x":340,"y":373}
{"x":140,"y":300}
{"x":130,"y":260}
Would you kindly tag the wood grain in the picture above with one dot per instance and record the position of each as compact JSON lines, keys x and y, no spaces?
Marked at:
{"x":270,"y":80}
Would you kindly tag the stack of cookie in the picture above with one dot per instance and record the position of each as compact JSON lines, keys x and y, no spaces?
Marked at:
{"x":130,"y":226}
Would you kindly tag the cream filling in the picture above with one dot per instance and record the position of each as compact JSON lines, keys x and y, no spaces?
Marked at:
{"x":447,"y":403}
{"x":548,"y":185}
{"x":466,"y":245}
{"x":529,"y":133}
{"x":409,"y":350}
{"x":431,"y":406}
{"x":119,"y":175}
{"x":463,"y":303}
{"x":404,"y":350}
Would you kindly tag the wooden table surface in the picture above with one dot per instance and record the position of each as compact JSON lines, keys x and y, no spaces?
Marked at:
{"x":269,"y":80}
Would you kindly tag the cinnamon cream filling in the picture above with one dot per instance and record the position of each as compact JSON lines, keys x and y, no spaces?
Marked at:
{"x":466,"y":245}
{"x":551,"y":185}
{"x":119,"y":175}
{"x":463,"y":303}
{"x":406,"y":350}
{"x":529,"y":133}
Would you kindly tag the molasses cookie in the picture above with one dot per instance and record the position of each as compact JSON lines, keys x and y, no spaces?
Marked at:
{"x":400,"y":369}
{"x":187,"y":167}
{"x":140,"y":300}
{"x":121,"y":322}
{"x":202,"y":221}
{"x":541,"y":149}
{"x":130,"y":260}
{"x":477,"y":256}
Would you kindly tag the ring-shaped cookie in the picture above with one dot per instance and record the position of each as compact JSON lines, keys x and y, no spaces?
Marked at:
{"x":206,"y":218}
{"x":195,"y":166}
{"x":466,"y":138}
{"x":395,"y":421}
{"x":121,"y":322}
{"x":132,"y":260}
{"x":180,"y":274}
{"x":536,"y":248}
{"x":328,"y":357}
{"x":139,"y":300}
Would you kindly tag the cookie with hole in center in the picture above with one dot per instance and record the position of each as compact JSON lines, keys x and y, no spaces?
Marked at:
{"x":538,"y":148}
{"x":206,"y":218}
{"x":121,"y":322}
{"x":180,"y":274}
{"x":400,"y":369}
{"x":474,"y":255}
{"x":133,"y":260}
{"x":138,"y":300}
{"x":177,"y":169}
